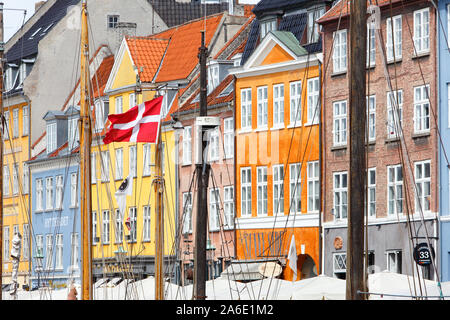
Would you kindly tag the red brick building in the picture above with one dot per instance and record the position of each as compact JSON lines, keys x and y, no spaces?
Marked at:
{"x":401,"y":130}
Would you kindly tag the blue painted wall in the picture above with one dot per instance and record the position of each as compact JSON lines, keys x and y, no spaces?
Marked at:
{"x":65,"y":222}
{"x":444,"y":148}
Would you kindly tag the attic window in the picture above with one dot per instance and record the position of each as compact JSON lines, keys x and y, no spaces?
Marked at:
{"x":267,"y":26}
{"x":8,"y":76}
{"x":35,"y":33}
{"x":313,"y":27}
{"x":113,"y":21}
{"x":213,"y":75}
{"x":47,"y":28}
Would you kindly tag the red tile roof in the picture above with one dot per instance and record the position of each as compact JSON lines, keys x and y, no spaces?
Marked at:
{"x":100,"y":78}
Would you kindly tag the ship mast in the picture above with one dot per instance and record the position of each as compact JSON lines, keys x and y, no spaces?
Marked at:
{"x":159,"y":226}
{"x":1,"y":146}
{"x":85,"y":153}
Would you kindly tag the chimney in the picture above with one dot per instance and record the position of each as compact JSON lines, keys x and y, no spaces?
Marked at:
{"x":124,"y":29}
{"x":38,"y":4}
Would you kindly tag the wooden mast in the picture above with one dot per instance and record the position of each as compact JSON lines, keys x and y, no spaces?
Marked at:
{"x":159,"y":225}
{"x":85,"y":153}
{"x":1,"y":147}
{"x":357,"y":170}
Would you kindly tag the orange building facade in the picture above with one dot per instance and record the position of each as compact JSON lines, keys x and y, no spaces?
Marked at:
{"x":277,"y":92}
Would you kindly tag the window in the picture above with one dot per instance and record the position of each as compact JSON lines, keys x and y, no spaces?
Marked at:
{"x":421,"y":109}
{"x":371,"y":195}
{"x":49,"y":193}
{"x":93,"y":167}
{"x":313,"y":101}
{"x":94,"y":227}
{"x":35,"y":33}
{"x":39,"y":251}
{"x":132,"y":214}
{"x":25,"y":121}
{"x":267,"y":26}
{"x":448,"y":25}
{"x":99,"y":116}
{"x":15,"y":123}
{"x":278,"y":105}
{"x":313,"y":27}
{"x":119,"y":104}
{"x":296,"y":102}
{"x":228,"y":137}
{"x":262,"y":107}
{"x":228,"y":202}
{"x":278,"y":189}
{"x":73,"y":133}
{"x":246,"y":108}
{"x":340,"y":195}
{"x":213,"y":145}
{"x":39,"y":195}
{"x":394,"y":261}
{"x":73,"y":190}
{"x":394,"y":43}
{"x":313,"y":186}
{"x":26,"y":242}
{"x":340,"y":123}
{"x":422,"y":176}
{"x":147,"y":159}
{"x":25,"y":182}
{"x":6,"y":243}
{"x":187,"y":145}
{"x":214,"y":210}
{"x":7,"y":125}
{"x":105,"y":166}
{"x":422,"y":30}
{"x":394,"y":113}
{"x":132,"y":160}
{"x":213,"y":76}
{"x":51,"y":137}
{"x":395,"y":189}
{"x":119,"y":163}
{"x":187,"y":212}
{"x":340,"y":265}
{"x":22,"y":72}
{"x":261,"y":195}
{"x":371,"y":46}
{"x":59,"y":192}
{"x":119,"y":227}
{"x":295,"y":191}
{"x":105,"y":227}
{"x":59,"y":251}
{"x":340,"y":51}
{"x":112,"y":21}
{"x":9,"y":80}
{"x":6,"y":180}
{"x":15,"y":179}
{"x":132,"y":100}
{"x":371,"y":119}
{"x":49,"y":251}
{"x":246,"y":192}
{"x":75,"y":246}
{"x":146,"y":224}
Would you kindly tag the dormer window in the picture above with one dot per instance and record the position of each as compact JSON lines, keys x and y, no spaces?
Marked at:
{"x":313,"y":27}
{"x":73,"y":133}
{"x":35,"y":33}
{"x":267,"y":26}
{"x":51,"y":137}
{"x":47,"y":28}
{"x":8,"y":78}
{"x":213,"y":76}
{"x":22,"y":72}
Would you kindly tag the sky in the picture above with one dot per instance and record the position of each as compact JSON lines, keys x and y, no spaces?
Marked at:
{"x":12,"y":19}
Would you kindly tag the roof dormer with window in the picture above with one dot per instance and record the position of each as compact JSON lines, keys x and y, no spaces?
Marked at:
{"x":217,"y":71}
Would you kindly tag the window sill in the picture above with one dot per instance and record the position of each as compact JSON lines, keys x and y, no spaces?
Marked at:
{"x":421,"y":54}
{"x":296,"y":125}
{"x":339,"y":147}
{"x":396,"y":60}
{"x":260,"y":129}
{"x":421,"y":135}
{"x":73,"y":207}
{"x":392,"y":139}
{"x":228,"y":158}
{"x":49,"y":210}
{"x":61,"y":269}
{"x":246,"y":130}
{"x":39,"y":211}
{"x":370,"y":67}
{"x":118,"y":179}
{"x":185,"y":165}
{"x":311,"y":124}
{"x":339,"y":73}
{"x":277,"y":128}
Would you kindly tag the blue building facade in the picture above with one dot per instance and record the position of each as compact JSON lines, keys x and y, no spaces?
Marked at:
{"x":55,"y":204}
{"x":444,"y":127}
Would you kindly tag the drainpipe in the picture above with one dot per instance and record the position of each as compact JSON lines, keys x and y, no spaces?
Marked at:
{"x":320,"y":271}
{"x":27,"y":100}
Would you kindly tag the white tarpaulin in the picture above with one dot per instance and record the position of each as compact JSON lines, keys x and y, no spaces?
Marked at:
{"x":319,"y":288}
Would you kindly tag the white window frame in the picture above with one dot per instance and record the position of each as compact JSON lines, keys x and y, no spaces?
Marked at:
{"x":104,"y":166}
{"x":73,"y":190}
{"x":395,"y":45}
{"x":48,"y":251}
{"x":246,"y":108}
{"x":394,"y":113}
{"x":132,"y":160}
{"x":75,"y":246}
{"x":262,"y":191}
{"x":132,"y":214}
{"x":26,"y":242}
{"x":228,"y":137}
{"x":25,"y":121}
{"x":246,"y":188}
{"x":187,"y":145}
{"x":393,"y":263}
{"x":73,"y":133}
{"x":422,"y":31}
{"x":371,"y":117}
{"x":118,"y":235}
{"x":295,"y":188}
{"x":371,"y":192}
{"x":94,"y":167}
{"x":15,"y":128}
{"x":278,"y":106}
{"x":6,"y":180}
{"x":59,"y":192}
{"x":49,"y":193}
{"x":313,"y":103}
{"x":132,"y":100}
{"x":267,"y":26}
{"x":340,"y":123}
{"x":295,"y":97}
{"x":39,"y":251}
{"x":422,"y":109}
{"x":278,"y":189}
{"x":187,"y":214}
{"x":51,"y":137}
{"x":6,"y":243}
{"x":39,"y":195}
{"x":262,"y":107}
{"x":118,"y":104}
{"x":15,"y":179}
{"x":313,"y":32}
{"x":340,"y":195}
{"x":340,"y":51}
{"x":313,"y":190}
{"x":371,"y":47}
{"x":423,"y":186}
{"x":99,"y":116}
{"x":393,"y":185}
{"x":213,"y":76}
{"x":146,"y":224}
{"x":147,"y":159}
{"x":106,"y":231}
{"x":228,"y":206}
{"x":213,"y":145}
{"x":94,"y":227}
{"x":119,"y":163}
{"x":214,"y":209}
{"x":59,"y":251}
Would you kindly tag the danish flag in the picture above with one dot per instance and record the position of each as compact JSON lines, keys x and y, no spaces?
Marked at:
{"x":139,"y":124}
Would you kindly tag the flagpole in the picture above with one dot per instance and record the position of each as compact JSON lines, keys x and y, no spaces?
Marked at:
{"x":158,"y":185}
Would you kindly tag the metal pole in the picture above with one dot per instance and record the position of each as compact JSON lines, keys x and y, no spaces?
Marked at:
{"x":2,"y":48}
{"x":202,"y":183}
{"x":159,"y":226}
{"x":357,"y":170}
{"x":85,"y":163}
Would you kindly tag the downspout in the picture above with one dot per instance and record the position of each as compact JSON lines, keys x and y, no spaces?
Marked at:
{"x":27,"y":100}
{"x":234,"y":171}
{"x":320,"y":271}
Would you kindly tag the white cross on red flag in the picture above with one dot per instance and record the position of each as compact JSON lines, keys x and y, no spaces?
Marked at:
{"x":139,"y":124}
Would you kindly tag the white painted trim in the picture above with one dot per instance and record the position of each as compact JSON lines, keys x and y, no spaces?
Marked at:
{"x":279,"y":221}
